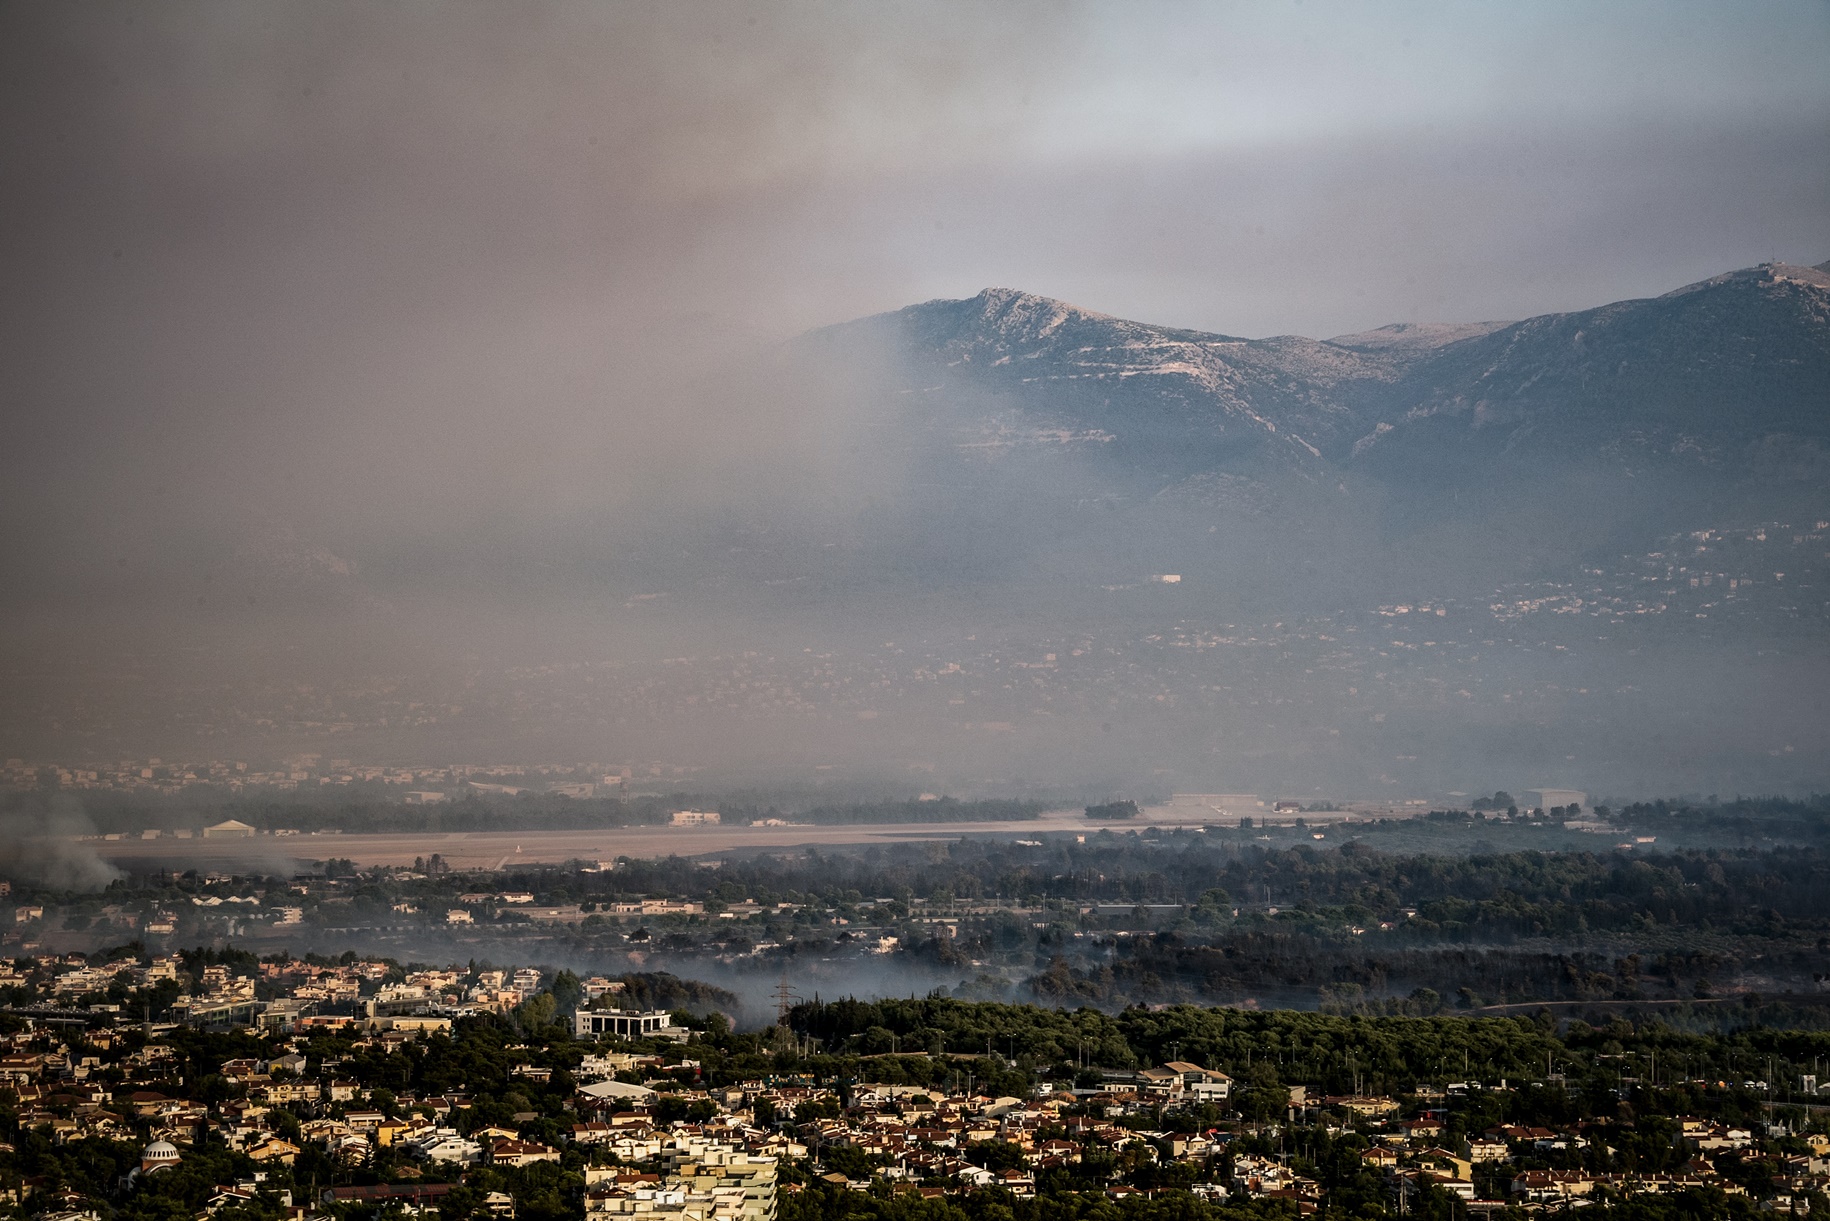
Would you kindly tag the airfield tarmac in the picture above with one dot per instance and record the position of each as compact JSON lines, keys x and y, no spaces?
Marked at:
{"x":499,"y":849}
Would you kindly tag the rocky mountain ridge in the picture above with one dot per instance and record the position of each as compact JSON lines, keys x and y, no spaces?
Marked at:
{"x":1715,"y":377}
{"x":1720,"y":377}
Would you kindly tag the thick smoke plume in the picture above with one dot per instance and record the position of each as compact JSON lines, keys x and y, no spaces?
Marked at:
{"x":42,"y":841}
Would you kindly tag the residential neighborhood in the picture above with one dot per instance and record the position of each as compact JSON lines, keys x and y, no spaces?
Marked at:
{"x":309,"y":1087}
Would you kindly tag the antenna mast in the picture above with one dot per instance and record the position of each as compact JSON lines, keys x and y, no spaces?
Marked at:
{"x":784,"y":1001}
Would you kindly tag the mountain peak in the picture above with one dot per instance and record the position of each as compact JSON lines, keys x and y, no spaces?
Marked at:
{"x":1764,"y":273}
{"x":1011,"y":309}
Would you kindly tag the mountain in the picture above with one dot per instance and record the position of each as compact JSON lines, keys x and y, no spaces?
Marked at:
{"x":1730,"y":376}
{"x":1588,"y":543}
{"x":1185,"y":399}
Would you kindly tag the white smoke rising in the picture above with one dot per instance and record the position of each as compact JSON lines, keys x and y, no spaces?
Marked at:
{"x":43,"y":846}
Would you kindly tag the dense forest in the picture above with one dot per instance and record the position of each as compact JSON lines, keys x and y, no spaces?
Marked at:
{"x":1181,"y":917}
{"x":1505,"y":896}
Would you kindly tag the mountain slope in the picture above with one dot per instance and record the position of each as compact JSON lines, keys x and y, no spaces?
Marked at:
{"x":1729,"y":376}
{"x":1187,"y":399}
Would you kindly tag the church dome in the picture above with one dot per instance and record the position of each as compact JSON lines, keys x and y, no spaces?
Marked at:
{"x":158,"y":1154}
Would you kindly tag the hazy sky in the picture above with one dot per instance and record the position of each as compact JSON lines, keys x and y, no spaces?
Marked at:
{"x":328,"y":259}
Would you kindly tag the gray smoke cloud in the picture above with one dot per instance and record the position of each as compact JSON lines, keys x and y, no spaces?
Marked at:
{"x":42,"y":843}
{"x":406,"y":277}
{"x":342,"y":340}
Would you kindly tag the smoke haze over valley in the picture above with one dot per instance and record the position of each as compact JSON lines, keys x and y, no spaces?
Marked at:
{"x":546,"y":387}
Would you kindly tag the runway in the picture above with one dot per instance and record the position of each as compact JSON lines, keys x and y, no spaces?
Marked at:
{"x":499,"y":849}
